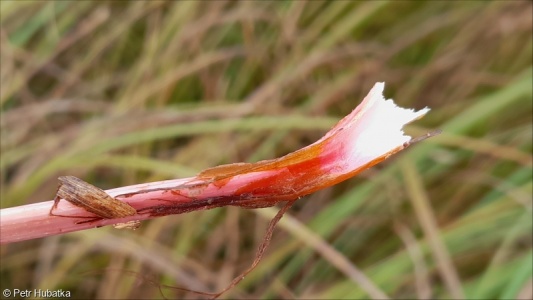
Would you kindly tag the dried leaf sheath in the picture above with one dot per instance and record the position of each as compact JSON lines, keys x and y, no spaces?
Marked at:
{"x":91,"y":198}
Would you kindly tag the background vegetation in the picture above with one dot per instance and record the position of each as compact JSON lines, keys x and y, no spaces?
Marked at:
{"x":119,"y":93}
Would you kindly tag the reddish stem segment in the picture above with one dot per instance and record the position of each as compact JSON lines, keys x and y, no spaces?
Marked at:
{"x":367,"y":136}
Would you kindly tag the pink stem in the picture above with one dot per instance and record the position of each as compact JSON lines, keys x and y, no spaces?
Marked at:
{"x":368,"y":135}
{"x":34,"y":221}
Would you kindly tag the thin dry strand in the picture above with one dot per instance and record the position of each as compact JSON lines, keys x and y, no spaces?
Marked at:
{"x":258,"y":256}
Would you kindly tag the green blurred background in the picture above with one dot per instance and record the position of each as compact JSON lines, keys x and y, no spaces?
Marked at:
{"x":119,"y":93}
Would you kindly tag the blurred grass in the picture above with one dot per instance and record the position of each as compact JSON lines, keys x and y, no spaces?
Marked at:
{"x":119,"y":93}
